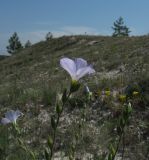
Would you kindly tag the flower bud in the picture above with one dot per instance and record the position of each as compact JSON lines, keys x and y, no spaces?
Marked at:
{"x":129,"y":108}
{"x":59,"y":109}
{"x":50,"y":142}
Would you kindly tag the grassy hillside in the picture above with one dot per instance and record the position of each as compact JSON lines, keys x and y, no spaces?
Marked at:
{"x":30,"y":81}
{"x":3,"y":57}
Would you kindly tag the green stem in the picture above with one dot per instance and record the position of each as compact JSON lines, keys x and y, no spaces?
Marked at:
{"x":17,"y":130}
{"x":118,"y":145}
{"x":57,"y":122}
{"x":123,"y":146}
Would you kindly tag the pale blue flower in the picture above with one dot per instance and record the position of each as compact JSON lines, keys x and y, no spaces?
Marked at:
{"x":77,"y":68}
{"x":11,"y":116}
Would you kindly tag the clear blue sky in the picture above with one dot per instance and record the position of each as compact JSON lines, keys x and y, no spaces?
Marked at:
{"x":32,"y":19}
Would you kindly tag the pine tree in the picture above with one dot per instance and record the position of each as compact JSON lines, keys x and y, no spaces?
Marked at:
{"x":27,"y":44}
{"x":49,"y":36}
{"x":120,"y":29}
{"x":14,"y":44}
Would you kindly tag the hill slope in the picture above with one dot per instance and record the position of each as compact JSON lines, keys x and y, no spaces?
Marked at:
{"x":31,"y":79}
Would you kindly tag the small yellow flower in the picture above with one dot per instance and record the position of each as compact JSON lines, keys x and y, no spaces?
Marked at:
{"x":135,"y":93}
{"x":107,"y":93}
{"x":122,"y":98}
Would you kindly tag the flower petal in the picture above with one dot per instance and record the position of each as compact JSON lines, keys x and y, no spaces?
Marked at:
{"x":5,"y":121}
{"x":69,"y":65}
{"x":83,"y":71}
{"x":10,"y":115}
{"x":91,"y":71}
{"x":18,"y":113}
{"x":13,"y":115}
{"x":80,"y":63}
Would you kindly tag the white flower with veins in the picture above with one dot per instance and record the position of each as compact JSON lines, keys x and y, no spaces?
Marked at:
{"x":77,"y":68}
